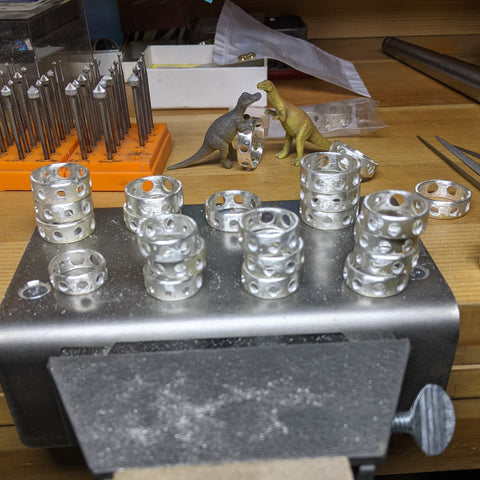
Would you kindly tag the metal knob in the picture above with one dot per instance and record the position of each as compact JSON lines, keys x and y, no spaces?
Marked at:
{"x":430,"y":421}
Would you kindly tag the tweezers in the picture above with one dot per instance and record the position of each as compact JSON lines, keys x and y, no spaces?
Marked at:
{"x":461,"y":154}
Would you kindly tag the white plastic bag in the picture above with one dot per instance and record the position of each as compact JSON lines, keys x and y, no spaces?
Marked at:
{"x":238,"y":34}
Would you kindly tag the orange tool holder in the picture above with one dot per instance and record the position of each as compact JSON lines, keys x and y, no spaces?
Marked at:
{"x":129,"y":162}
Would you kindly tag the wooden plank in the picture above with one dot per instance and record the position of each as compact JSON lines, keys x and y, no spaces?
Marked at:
{"x":5,"y":416}
{"x":330,"y":468}
{"x":464,"y":382}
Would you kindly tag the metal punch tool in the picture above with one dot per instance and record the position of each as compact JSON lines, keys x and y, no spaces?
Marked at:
{"x":462,"y":154}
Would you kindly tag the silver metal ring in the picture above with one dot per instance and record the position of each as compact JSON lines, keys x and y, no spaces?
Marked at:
{"x":335,"y":202}
{"x":167,"y":237}
{"x":384,"y":265}
{"x":61,"y":183}
{"x":447,"y":200}
{"x":377,"y":286}
{"x":63,"y":212}
{"x":77,"y":272}
{"x":155,"y":194}
{"x":250,"y":143}
{"x":269,"y":288}
{"x":269,"y":231}
{"x":171,"y":290}
{"x":181,"y":269}
{"x":394,"y":214}
{"x":67,"y":232}
{"x":329,"y":172}
{"x":379,"y":245}
{"x":367,"y":165}
{"x":223,"y":210}
{"x":328,"y":220}
{"x":270,"y":266}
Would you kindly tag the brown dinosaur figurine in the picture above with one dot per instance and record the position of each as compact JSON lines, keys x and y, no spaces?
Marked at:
{"x":296,"y":122}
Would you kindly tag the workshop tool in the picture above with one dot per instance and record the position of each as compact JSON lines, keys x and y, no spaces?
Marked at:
{"x":40,"y":124}
{"x":457,"y":74}
{"x":451,"y":163}
{"x":121,"y":318}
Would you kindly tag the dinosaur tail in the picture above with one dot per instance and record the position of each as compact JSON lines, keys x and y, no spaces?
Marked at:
{"x":320,"y":141}
{"x":203,"y":151}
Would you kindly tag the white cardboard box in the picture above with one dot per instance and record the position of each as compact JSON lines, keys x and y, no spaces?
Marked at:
{"x":202,"y":86}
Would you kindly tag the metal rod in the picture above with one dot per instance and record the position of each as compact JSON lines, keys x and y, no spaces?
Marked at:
{"x":100,"y":94}
{"x":18,"y":119}
{"x":457,"y":74}
{"x":6,"y":96}
{"x":43,"y":114}
{"x":48,"y":107}
{"x":71,"y":91}
{"x":34,"y":96}
{"x":134,"y":82}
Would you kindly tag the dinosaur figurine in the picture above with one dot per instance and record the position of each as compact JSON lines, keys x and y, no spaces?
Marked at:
{"x":296,"y":122}
{"x":221,"y":132}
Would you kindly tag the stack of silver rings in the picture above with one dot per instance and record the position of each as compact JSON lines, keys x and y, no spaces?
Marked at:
{"x":386,"y":247}
{"x":329,"y":190}
{"x":63,"y":202}
{"x":148,"y":196}
{"x":272,"y":252}
{"x":175,"y":254}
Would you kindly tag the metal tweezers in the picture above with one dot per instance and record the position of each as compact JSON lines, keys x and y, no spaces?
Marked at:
{"x":461,"y":154}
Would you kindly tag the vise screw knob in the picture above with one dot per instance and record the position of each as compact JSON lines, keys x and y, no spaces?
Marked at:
{"x":430,"y":421}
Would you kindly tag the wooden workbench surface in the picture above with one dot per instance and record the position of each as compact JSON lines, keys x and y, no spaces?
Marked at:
{"x":410,"y":104}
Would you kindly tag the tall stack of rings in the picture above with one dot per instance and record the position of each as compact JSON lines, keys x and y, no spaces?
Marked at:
{"x":175,"y":254}
{"x":148,"y":196}
{"x":63,"y":202}
{"x":272,"y":252}
{"x":386,"y":236}
{"x":329,"y":190}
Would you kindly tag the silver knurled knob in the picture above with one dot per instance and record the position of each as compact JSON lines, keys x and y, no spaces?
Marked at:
{"x":430,"y":421}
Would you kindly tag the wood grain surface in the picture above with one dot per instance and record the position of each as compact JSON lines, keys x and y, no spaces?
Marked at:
{"x":410,"y":104}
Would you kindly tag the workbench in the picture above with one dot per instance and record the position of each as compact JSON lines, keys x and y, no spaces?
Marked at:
{"x":410,"y":104}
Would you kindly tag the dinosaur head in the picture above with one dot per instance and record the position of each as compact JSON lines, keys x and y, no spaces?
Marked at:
{"x":266,"y":85}
{"x":246,"y":99}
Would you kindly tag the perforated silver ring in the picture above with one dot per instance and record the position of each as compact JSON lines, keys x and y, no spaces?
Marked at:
{"x":171,"y":290}
{"x":377,"y":286}
{"x":335,"y":202}
{"x":367,"y":165}
{"x":394,"y":214}
{"x":223,"y":210}
{"x":250,"y":143}
{"x":269,"y":288}
{"x":61,"y":183}
{"x":270,"y":231}
{"x":78,"y":272}
{"x":328,"y":220}
{"x":67,"y":232}
{"x":329,"y":172}
{"x":63,"y":212}
{"x":447,"y":200}
{"x":155,"y":194}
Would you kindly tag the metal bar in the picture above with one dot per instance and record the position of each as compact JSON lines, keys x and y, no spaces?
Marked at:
{"x":72,"y":93}
{"x":133,"y":81}
{"x":34,"y":96}
{"x":100,"y":94}
{"x":457,"y":74}
{"x":6,"y":96}
{"x":44,"y":116}
{"x":49,"y":110}
{"x":458,"y":169}
{"x":18,"y":119}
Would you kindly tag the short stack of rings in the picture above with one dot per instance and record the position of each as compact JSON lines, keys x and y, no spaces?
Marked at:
{"x":63,"y":202}
{"x":386,"y":246}
{"x":148,"y":196}
{"x":223,"y":210}
{"x":447,"y":200}
{"x":329,"y":190}
{"x":175,"y":256}
{"x":272,"y":252}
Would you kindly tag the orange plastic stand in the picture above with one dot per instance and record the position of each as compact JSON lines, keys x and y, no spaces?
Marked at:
{"x":130,"y":161}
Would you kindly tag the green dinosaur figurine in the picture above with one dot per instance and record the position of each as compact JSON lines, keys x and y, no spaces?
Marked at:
{"x":296,"y":122}
{"x":221,"y":132}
